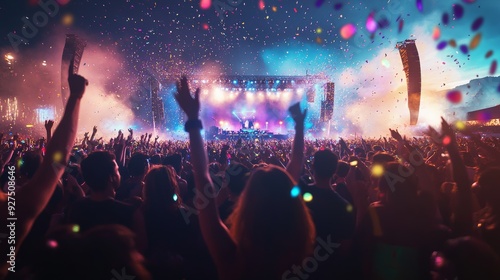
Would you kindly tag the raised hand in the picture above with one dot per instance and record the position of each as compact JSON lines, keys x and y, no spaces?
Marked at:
{"x":190,"y":105}
{"x":94,"y":130}
{"x":77,"y":83}
{"x":395,"y":134}
{"x":49,"y":124}
{"x":297,"y":115}
{"x":447,"y":130}
{"x":86,"y":135}
{"x":131,"y":131}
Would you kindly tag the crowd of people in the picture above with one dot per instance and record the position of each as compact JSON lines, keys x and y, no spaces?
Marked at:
{"x":143,"y":208}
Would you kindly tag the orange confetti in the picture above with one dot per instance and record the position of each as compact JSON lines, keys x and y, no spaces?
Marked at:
{"x":475,"y":41}
{"x":436,"y":33}
{"x":452,"y":43}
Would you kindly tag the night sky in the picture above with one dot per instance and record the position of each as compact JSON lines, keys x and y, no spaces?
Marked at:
{"x":272,"y":37}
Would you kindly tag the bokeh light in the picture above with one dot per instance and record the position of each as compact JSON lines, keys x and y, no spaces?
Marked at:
{"x":377,"y":170}
{"x":308,"y":197}
{"x":295,"y":191}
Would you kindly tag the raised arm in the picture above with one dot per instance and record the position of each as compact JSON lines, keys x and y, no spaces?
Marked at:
{"x":297,"y":160}
{"x":33,"y":197}
{"x":219,"y":242}
{"x":94,"y":131}
{"x":48,"y":128}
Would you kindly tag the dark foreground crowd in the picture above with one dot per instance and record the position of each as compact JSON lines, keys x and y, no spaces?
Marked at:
{"x":137,"y":208}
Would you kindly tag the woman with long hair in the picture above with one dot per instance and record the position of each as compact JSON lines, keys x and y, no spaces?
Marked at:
{"x":271,"y":229}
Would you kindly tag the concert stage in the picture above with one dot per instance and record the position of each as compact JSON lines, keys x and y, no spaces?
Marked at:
{"x":214,"y":133}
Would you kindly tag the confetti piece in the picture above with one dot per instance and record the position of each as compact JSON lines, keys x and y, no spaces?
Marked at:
{"x":337,"y":6}
{"x":319,"y":3}
{"x":458,"y":11}
{"x":464,"y":49}
{"x":436,"y":33}
{"x":206,"y":26}
{"x":383,"y":23}
{"x":377,"y":170}
{"x":205,"y":4}
{"x":295,"y":9}
{"x":477,"y":24}
{"x":442,"y":45}
{"x":452,"y":43}
{"x":262,"y":5}
{"x":354,"y":163}
{"x":460,"y":125}
{"x":349,"y":208}
{"x":371,"y":24}
{"x":469,"y":1}
{"x":319,"y":40}
{"x":498,"y":88}
{"x":52,"y":243}
{"x":274,"y":8}
{"x":493,"y":67}
{"x":57,"y":156}
{"x":446,"y":140}
{"x":319,"y":30}
{"x":489,"y":54}
{"x":295,"y":191}
{"x":420,"y":6}
{"x":307,"y":197}
{"x":475,"y":41}
{"x":175,"y":197}
{"x":386,"y":63}
{"x":347,"y":31}
{"x":75,"y":228}
{"x":454,"y":96}
{"x":445,"y":19}
{"x":68,"y":19}
{"x":400,"y":26}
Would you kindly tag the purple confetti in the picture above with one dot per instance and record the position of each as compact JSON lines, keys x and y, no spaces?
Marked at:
{"x":458,"y":11}
{"x":337,"y":6}
{"x":469,"y":1}
{"x":445,"y":19}
{"x":493,"y":67}
{"x":477,"y":24}
{"x":464,"y":49}
{"x":383,"y":23}
{"x":442,"y":45}
{"x":420,"y":6}
{"x":400,"y":27}
{"x":498,"y":88}
{"x":319,"y":3}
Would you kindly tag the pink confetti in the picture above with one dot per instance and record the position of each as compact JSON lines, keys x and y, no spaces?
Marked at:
{"x":52,"y":244}
{"x":371,"y":24}
{"x":347,"y":31}
{"x":262,"y":5}
{"x":205,"y":4}
{"x":454,"y":96}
